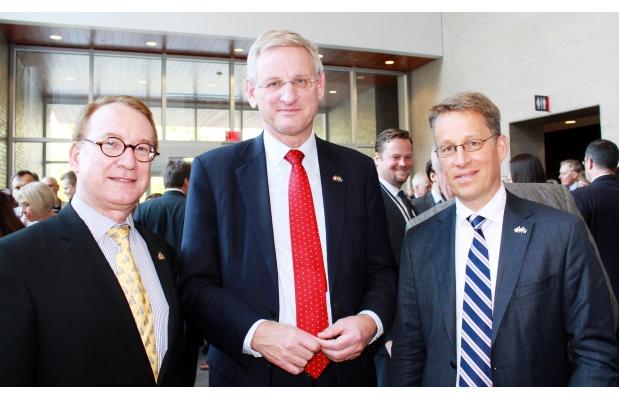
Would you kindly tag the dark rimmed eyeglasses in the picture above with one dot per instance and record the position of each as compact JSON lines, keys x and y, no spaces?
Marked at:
{"x":275,"y":85}
{"x":448,"y":150}
{"x":115,"y":147}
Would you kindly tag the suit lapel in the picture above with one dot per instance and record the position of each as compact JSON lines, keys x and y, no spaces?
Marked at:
{"x":511,"y":255}
{"x":444,"y":268}
{"x":164,"y":269}
{"x":254,"y":189}
{"x":334,"y":191}
{"x":89,"y":262}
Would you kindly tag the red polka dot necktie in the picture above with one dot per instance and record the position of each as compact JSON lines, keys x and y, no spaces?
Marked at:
{"x":309,"y":272}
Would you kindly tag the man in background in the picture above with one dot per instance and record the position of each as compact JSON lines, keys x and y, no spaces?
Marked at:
{"x":51,"y":182}
{"x":420,"y":184}
{"x":69,"y":182}
{"x":598,"y":203}
{"x":572,"y":174}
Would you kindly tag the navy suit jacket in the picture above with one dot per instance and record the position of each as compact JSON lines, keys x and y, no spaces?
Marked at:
{"x":553,"y":315}
{"x":229,"y":271}
{"x":598,"y":203}
{"x":164,"y":216}
{"x":64,"y":320}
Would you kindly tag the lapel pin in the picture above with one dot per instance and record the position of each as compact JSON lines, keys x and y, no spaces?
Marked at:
{"x":520,"y":229}
{"x":337,"y":178}
{"x":160,"y":256}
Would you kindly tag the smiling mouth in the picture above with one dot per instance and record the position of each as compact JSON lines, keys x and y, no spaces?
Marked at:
{"x":465,"y":177}
{"x":123,"y":180}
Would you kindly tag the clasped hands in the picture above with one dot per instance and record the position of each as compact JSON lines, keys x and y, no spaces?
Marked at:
{"x":290,"y":348}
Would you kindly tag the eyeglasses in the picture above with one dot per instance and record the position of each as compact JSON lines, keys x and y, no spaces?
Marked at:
{"x":115,"y":147}
{"x":448,"y":150}
{"x":275,"y":85}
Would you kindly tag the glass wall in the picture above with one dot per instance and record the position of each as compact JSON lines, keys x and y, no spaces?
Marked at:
{"x":190,"y":99}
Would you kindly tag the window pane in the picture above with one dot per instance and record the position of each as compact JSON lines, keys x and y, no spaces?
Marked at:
{"x":377,"y":105}
{"x":201,"y":90}
{"x":336,"y":105}
{"x":3,"y":163}
{"x":47,"y":78}
{"x":61,"y":120}
{"x":29,"y":156}
{"x":134,"y":76}
{"x":57,"y":152}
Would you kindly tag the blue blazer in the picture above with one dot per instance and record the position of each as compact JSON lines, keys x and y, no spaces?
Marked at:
{"x":164,"y":216}
{"x":554,"y":319}
{"x":229,"y":271}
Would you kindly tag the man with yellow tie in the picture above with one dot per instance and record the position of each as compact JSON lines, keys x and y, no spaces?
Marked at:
{"x":89,"y":298}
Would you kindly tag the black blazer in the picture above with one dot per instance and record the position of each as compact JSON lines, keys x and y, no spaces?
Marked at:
{"x":64,"y":320}
{"x":598,"y":203}
{"x":552,"y":304}
{"x":396,"y":223}
{"x":164,"y":216}
{"x":229,"y":272}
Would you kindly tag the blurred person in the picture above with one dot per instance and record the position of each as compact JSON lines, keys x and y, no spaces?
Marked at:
{"x":598,"y":203}
{"x":393,"y":159}
{"x":526,"y":168}
{"x":440,"y":191}
{"x":36,"y":200}
{"x":496,"y":290}
{"x":268,"y":213}
{"x":9,"y":222}
{"x":51,"y":182}
{"x":88,"y":298}
{"x":69,"y":182}
{"x":572,"y":174}
{"x":153,"y":196}
{"x":20,"y":179}
{"x":421,"y":184}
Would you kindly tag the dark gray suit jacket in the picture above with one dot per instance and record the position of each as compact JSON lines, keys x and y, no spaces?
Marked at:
{"x":553,"y":317}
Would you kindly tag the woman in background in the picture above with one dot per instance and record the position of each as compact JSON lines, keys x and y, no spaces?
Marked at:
{"x":9,"y":222}
{"x":525,"y":168}
{"x":37,"y":202}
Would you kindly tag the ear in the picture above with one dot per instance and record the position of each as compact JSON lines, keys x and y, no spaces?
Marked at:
{"x":502,"y":147}
{"x":250,"y":88}
{"x":376,"y":157}
{"x":74,"y":157}
{"x":320,"y":85}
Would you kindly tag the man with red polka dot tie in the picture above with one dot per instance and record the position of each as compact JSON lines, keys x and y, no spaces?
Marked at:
{"x":287,"y":266}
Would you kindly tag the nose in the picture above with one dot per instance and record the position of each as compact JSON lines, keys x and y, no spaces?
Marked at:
{"x":127,"y":160}
{"x":288,"y":94}
{"x":461,"y":157}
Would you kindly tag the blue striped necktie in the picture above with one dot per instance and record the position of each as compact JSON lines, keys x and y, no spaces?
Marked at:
{"x":476,"y":329}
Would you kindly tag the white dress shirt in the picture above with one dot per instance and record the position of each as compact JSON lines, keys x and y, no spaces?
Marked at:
{"x":98,"y":225}
{"x":393,"y":192}
{"x":493,"y":211}
{"x":278,"y":173}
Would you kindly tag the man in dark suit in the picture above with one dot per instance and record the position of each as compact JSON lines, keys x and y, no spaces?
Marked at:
{"x":165,"y":214}
{"x":598,"y":203}
{"x":87,"y":298}
{"x":287,"y":269}
{"x":393,"y":159}
{"x":496,"y":290}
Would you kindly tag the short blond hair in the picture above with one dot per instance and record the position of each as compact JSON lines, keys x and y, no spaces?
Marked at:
{"x":278,"y":38}
{"x":39,"y":196}
{"x":130,"y":101}
{"x":468,"y":102}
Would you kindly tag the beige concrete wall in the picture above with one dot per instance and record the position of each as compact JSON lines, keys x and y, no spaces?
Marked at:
{"x":510,"y":57}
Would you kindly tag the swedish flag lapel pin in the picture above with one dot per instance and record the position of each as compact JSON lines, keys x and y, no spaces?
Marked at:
{"x":337,"y":178}
{"x":160,"y":256}
{"x":520,"y":229}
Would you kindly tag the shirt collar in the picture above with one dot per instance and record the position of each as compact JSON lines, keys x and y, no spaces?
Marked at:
{"x":493,"y":210}
{"x":276,"y":150}
{"x":97,"y":223}
{"x":391,"y":188}
{"x":437,"y":197}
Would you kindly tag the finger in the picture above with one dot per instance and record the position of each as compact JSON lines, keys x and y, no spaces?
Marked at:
{"x":332,"y":331}
{"x":308,"y":342}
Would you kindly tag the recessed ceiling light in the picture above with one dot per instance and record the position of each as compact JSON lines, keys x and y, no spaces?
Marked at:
{"x":360,"y":77}
{"x":389,"y":62}
{"x":333,"y":91}
{"x":320,"y":55}
{"x":570,"y":122}
{"x":151,"y":44}
{"x":238,"y":50}
{"x":55,"y":37}
{"x":142,"y":82}
{"x":69,"y":78}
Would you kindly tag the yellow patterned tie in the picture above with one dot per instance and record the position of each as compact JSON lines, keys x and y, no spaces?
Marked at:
{"x":131,"y":283}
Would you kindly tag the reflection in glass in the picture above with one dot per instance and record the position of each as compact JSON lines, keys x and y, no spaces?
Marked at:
{"x":377,"y":106}
{"x":60,"y":120}
{"x":28,"y":156}
{"x":337,"y":107}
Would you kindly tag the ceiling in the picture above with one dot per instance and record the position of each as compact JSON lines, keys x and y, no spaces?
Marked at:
{"x":176,"y":44}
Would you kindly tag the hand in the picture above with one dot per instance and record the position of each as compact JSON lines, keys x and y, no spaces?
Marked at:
{"x":347,"y":338}
{"x":284,"y":345}
{"x":388,"y":347}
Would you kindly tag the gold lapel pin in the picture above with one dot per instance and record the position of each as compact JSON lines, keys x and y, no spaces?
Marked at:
{"x":160,"y":256}
{"x":520,"y":229}
{"x":337,"y":178}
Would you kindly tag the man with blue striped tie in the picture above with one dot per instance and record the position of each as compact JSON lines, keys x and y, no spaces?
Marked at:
{"x":496,"y":290}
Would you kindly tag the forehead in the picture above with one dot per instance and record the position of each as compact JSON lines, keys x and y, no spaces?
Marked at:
{"x":397,"y":145}
{"x":22,"y":179}
{"x":456,"y":126}
{"x":119,"y":120}
{"x":283,"y":61}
